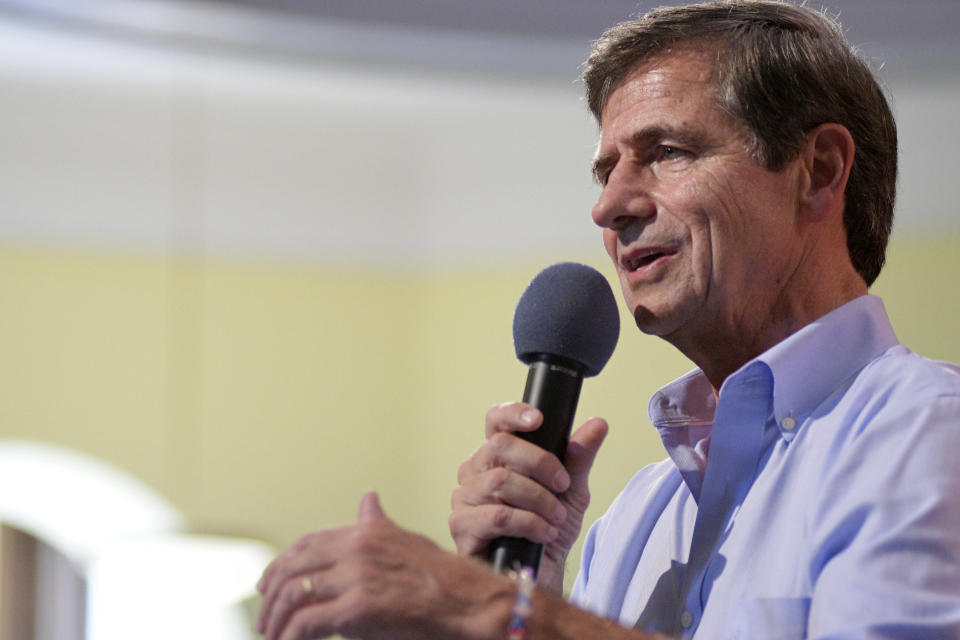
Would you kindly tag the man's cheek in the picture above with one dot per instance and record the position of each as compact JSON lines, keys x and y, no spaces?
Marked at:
{"x":610,"y":244}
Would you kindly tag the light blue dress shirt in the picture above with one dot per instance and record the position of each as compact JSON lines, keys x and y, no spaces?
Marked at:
{"x":830,"y":507}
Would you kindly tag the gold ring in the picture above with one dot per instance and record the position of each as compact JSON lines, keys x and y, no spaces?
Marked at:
{"x":307,"y":583}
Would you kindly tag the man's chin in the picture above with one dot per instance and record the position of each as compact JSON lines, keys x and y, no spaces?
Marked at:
{"x":651,"y":322}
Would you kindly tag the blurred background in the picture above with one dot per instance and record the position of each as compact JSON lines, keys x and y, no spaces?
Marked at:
{"x":261,"y":256}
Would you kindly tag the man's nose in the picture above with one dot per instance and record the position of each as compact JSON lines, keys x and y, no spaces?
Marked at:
{"x":621,"y":202}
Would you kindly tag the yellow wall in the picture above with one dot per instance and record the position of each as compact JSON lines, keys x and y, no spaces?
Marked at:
{"x":262,"y":399}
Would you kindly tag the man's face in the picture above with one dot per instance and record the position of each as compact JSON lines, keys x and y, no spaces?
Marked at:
{"x":703,"y":237}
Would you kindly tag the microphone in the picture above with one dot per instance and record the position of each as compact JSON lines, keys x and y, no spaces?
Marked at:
{"x":565,"y":327}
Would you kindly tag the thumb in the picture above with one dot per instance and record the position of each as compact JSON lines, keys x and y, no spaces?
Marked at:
{"x":370,"y":509}
{"x":582,"y":451}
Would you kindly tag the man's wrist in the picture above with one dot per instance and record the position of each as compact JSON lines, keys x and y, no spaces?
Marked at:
{"x":550,"y":576}
{"x":491,"y":607}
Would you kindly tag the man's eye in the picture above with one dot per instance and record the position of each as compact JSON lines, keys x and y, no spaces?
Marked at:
{"x":669,"y":152}
{"x":602,"y":175}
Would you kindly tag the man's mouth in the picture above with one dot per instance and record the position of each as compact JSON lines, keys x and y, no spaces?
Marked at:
{"x":640,"y":259}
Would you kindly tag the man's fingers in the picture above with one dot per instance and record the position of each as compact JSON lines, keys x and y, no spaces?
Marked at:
{"x":473,"y":529}
{"x":304,"y":542}
{"x":501,"y":502}
{"x":512,"y":416}
{"x":298,"y":592}
{"x":506,"y":450}
{"x":582,"y":451}
{"x":308,"y":622}
{"x":283,"y":567}
{"x":321,"y":619}
{"x":502,"y":486}
{"x":286,"y":586}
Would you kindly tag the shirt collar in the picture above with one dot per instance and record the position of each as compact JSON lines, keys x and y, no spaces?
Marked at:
{"x":807,"y":367}
{"x":815,"y":361}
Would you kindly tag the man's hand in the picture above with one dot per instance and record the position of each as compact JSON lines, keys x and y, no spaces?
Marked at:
{"x":374,"y":580}
{"x":510,"y":487}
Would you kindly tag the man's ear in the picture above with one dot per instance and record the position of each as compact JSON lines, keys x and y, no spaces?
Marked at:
{"x":827,"y":159}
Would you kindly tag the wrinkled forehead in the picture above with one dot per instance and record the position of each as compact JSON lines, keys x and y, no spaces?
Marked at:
{"x":692,"y":65}
{"x":682,"y":75}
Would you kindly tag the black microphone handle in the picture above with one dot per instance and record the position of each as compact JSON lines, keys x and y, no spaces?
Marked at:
{"x":553,"y":387}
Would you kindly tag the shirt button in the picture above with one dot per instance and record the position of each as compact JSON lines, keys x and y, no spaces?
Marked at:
{"x":788,"y":423}
{"x":686,"y":619}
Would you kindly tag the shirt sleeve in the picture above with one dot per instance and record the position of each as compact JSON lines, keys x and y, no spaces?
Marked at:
{"x":577,"y":594}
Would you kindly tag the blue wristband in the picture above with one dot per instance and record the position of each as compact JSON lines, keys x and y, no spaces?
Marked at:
{"x":523,"y":606}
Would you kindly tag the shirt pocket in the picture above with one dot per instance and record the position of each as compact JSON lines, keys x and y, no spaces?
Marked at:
{"x":769,"y":619}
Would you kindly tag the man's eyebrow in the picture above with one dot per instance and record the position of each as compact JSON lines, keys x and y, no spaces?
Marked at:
{"x":647,"y":136}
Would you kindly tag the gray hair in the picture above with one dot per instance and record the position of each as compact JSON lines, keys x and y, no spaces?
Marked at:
{"x":780,"y":70}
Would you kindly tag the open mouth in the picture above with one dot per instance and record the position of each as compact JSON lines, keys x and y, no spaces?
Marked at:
{"x":644,"y":258}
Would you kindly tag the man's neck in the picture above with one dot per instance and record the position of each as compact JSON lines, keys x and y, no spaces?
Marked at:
{"x":723,"y":350}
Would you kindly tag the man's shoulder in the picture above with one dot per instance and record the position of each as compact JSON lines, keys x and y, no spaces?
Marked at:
{"x":898,"y":399}
{"x":902,"y":371}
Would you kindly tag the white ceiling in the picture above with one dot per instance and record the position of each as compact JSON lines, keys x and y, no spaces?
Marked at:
{"x":227,"y":128}
{"x":501,"y":36}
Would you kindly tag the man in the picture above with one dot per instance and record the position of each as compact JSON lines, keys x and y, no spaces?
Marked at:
{"x":747,"y":161}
